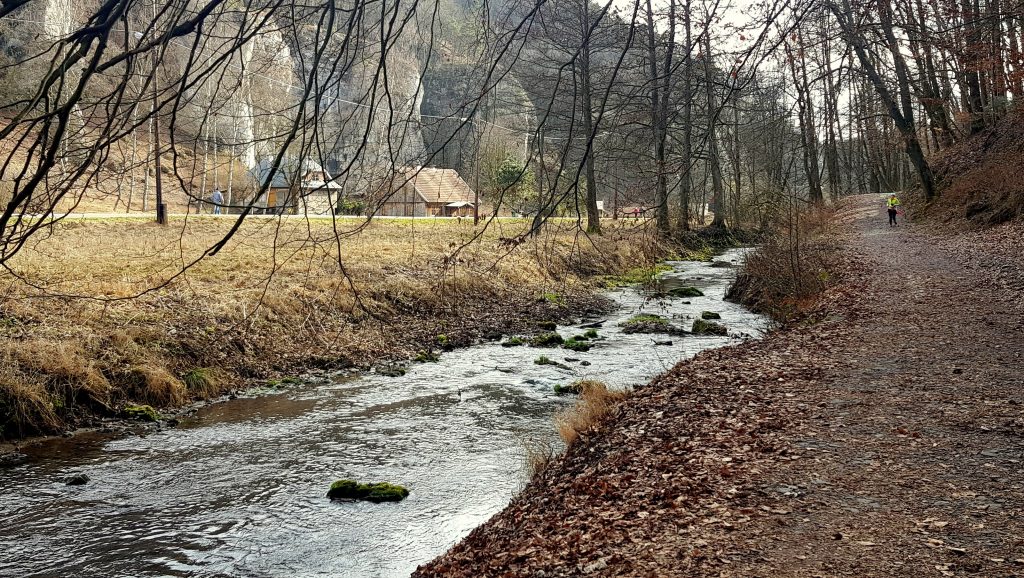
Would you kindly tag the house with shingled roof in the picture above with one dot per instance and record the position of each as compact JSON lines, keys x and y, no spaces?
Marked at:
{"x":427,"y":192}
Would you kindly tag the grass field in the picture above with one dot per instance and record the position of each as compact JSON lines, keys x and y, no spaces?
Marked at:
{"x":102,"y":312}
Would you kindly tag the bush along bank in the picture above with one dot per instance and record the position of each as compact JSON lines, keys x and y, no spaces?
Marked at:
{"x":791,"y":267}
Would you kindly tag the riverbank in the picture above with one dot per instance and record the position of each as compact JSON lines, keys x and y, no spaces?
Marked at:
{"x":880,"y":436}
{"x":458,"y":434}
{"x":102,"y":316}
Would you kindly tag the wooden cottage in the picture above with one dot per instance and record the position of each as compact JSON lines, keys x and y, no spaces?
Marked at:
{"x":427,"y":192}
{"x":297,"y":187}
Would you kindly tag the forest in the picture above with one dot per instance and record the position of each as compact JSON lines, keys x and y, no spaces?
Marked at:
{"x":695,"y":112}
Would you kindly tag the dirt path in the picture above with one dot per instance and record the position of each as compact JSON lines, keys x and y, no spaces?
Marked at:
{"x":887,"y":439}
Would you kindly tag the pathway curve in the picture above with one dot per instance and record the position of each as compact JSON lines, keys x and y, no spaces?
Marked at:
{"x":885,"y":439}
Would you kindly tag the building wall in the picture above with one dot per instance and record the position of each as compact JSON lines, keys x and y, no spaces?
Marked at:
{"x":318,"y":203}
{"x":401,"y":209}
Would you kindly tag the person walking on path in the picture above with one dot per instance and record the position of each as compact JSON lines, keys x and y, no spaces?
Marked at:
{"x":217,"y":199}
{"x":893,"y":205}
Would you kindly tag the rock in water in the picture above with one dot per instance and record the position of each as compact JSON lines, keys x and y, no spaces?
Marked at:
{"x":702,"y":327}
{"x":710,"y":315}
{"x":379,"y":492}
{"x":686,"y":292}
{"x":77,"y":480}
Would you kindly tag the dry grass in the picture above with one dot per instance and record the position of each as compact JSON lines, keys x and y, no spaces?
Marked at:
{"x":595,"y":402}
{"x":93,"y":333}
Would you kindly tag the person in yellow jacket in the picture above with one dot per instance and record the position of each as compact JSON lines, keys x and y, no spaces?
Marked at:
{"x":893,"y":205}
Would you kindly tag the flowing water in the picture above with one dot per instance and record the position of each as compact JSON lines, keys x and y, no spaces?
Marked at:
{"x":239,"y":489}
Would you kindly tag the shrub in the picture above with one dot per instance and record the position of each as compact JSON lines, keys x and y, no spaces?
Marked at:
{"x":595,"y":402}
{"x":792,"y":266}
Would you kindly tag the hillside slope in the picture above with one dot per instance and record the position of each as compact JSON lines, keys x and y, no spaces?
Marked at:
{"x":980,"y":176}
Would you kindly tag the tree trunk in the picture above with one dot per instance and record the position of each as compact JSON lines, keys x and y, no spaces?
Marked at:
{"x":717,"y":200}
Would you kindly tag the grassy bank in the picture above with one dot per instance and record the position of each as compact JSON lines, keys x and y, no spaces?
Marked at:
{"x":98,"y":315}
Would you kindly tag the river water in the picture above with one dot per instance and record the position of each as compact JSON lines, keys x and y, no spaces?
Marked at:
{"x":239,"y":489}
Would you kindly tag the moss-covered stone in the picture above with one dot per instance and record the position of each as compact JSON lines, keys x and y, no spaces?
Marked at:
{"x":702,"y":327}
{"x":390,"y":370}
{"x":591,"y":334}
{"x":426,"y":356}
{"x":685,"y":292}
{"x":141,"y":412}
{"x":513,"y":342}
{"x":547,"y":325}
{"x":706,"y":315}
{"x":549,"y":339}
{"x":649,"y":324}
{"x":571,"y":389}
{"x":378,"y":492}
{"x":545,"y":360}
{"x":576,"y":345}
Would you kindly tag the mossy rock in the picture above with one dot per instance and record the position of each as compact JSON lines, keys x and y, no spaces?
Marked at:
{"x":706,"y":315}
{"x":391,"y":370}
{"x":571,"y":389}
{"x":577,"y":387}
{"x":549,"y":339}
{"x":141,"y":412}
{"x":722,"y":265}
{"x":513,"y":342}
{"x":591,"y":334}
{"x":379,"y":492}
{"x":547,"y":325}
{"x":545,"y":360}
{"x":702,"y":327}
{"x":425,"y":356}
{"x":650,"y":324}
{"x":575,"y":345}
{"x":685,"y":292}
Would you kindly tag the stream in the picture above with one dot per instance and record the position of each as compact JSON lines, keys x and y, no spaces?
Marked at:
{"x":239,"y":488}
